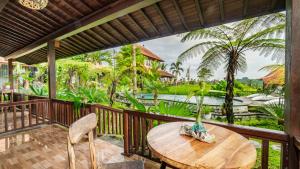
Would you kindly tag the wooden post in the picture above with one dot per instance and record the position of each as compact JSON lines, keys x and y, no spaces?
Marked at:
{"x":292,"y":76}
{"x":126,"y":133}
{"x":51,"y":69}
{"x":51,"y":76}
{"x":10,"y":74}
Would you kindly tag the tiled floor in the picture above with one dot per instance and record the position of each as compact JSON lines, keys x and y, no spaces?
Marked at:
{"x":46,"y":148}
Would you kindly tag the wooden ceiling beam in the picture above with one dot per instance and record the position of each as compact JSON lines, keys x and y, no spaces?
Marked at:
{"x":16,"y":37}
{"x":137,"y":25}
{"x":100,"y":38}
{"x":163,"y":17}
{"x":21,"y":11}
{"x":72,"y":8}
{"x":180,"y":14}
{"x":103,"y":15}
{"x":65,"y":44}
{"x":127,"y":29}
{"x":20,"y":23}
{"x":13,"y":28}
{"x":3,"y":3}
{"x":221,"y":7}
{"x":74,"y":43}
{"x":109,"y":35}
{"x":245,"y":7}
{"x":82,"y":41}
{"x":118,"y":32}
{"x":91,"y":39}
{"x":142,"y":11}
{"x":199,"y":12}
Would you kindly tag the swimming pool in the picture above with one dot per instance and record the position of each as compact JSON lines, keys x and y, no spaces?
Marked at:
{"x":208,"y":100}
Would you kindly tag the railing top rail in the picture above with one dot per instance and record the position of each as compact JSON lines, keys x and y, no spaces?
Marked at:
{"x":107,"y":107}
{"x":273,"y":135}
{"x":23,"y":102}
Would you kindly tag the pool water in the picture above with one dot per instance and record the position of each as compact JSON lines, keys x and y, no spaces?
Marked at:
{"x":208,"y":100}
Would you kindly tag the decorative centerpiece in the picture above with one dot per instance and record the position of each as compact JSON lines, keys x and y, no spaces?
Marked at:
{"x":198,"y":130}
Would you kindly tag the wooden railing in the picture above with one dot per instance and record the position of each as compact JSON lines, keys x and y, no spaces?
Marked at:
{"x":22,"y":114}
{"x":138,"y":124}
{"x":110,"y":120}
{"x":130,"y":124}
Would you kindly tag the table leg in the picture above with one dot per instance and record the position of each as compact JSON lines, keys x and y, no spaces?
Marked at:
{"x":163,"y":165}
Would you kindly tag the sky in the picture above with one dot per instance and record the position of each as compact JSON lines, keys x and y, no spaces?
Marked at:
{"x":169,"y":48}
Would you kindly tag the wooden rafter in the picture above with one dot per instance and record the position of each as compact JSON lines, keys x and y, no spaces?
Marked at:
{"x":108,"y":34}
{"x":22,"y":11}
{"x":118,"y":32}
{"x":221,"y":6}
{"x":19,"y":22}
{"x":127,"y":29}
{"x":142,"y":11}
{"x":97,"y":36}
{"x":137,"y":25}
{"x":199,"y":12}
{"x":179,"y":12}
{"x":163,"y":17}
{"x":92,"y":39}
{"x":100,"y":16}
{"x":3,"y":4}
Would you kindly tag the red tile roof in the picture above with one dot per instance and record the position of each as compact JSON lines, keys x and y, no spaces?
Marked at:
{"x":274,"y":77}
{"x":148,"y":53}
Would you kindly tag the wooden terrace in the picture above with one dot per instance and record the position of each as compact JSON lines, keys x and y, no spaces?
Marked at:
{"x":33,"y":129}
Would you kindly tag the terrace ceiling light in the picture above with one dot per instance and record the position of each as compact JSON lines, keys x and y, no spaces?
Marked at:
{"x":34,"y":4}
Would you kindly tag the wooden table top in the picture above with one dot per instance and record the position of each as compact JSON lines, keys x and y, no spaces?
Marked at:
{"x":230,"y":150}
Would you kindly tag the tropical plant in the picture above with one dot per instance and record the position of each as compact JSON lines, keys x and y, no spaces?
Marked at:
{"x":228,"y":44}
{"x":135,"y":103}
{"x":163,"y":66}
{"x":276,"y":110}
{"x":38,"y":90}
{"x":188,"y":74}
{"x":176,"y":69}
{"x":204,"y":74}
{"x":174,"y":108}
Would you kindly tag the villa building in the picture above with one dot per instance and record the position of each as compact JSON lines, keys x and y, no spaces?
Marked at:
{"x":152,"y":57}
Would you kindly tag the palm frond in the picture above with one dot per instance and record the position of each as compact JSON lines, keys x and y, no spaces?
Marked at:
{"x":197,"y":50}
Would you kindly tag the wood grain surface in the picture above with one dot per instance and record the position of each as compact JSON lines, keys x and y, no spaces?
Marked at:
{"x":230,"y":150}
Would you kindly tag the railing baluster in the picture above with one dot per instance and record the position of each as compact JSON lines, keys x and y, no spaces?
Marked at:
{"x":104,"y":120}
{"x":14,"y":117}
{"x":22,"y":116}
{"x":29,"y":114}
{"x":265,"y":154}
{"x":36,"y":114}
{"x":143,"y":135}
{"x":5,"y":118}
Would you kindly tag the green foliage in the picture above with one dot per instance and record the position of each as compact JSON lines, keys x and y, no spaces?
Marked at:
{"x":174,"y":108}
{"x":38,"y":90}
{"x":135,"y":103}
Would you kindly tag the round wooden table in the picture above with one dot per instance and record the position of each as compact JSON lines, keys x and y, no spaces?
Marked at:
{"x":230,"y":150}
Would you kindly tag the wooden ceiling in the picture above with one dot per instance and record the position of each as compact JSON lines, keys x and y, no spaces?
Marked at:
{"x":22,"y":28}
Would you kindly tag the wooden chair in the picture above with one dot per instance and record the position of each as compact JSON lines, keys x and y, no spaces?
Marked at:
{"x":84,"y":126}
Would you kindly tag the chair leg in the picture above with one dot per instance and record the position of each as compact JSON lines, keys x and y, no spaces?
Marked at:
{"x":92,"y":150}
{"x":163,"y":165}
{"x":71,"y":155}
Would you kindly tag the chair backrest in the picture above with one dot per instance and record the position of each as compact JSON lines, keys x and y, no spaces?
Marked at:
{"x":77,"y":130}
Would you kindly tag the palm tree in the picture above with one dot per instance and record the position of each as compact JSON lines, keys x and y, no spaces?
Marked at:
{"x":188,"y":75}
{"x":204,"y":74}
{"x":228,"y":44}
{"x":163,"y":66}
{"x":176,"y":69}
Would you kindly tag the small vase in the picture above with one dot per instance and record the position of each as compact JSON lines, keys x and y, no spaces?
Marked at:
{"x":198,"y":131}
